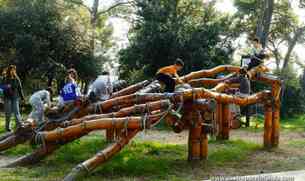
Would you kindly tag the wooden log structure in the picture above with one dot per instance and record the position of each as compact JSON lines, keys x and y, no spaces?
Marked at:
{"x":139,"y":107}
{"x":131,"y":89}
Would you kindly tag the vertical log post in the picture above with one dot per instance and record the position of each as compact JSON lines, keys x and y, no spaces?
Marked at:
{"x":110,"y":134}
{"x":195,"y":135}
{"x":225,"y":122}
{"x":275,"y":127}
{"x":219,"y":121}
{"x":268,"y":126}
{"x":276,"y":90}
{"x":204,"y":146}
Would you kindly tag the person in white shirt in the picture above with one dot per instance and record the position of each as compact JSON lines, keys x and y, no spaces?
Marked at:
{"x":38,"y":101}
{"x":101,"y":89}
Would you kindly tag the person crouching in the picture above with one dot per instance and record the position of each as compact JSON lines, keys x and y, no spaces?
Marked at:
{"x":166,"y":75}
{"x":38,"y":101}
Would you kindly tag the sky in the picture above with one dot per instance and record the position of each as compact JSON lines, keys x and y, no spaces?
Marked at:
{"x":121,"y":26}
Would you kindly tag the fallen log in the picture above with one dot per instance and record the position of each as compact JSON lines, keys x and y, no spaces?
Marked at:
{"x":89,"y":165}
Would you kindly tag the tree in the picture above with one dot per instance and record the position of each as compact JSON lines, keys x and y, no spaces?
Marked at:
{"x":264,"y":22}
{"x":167,"y":29}
{"x":96,"y":15}
{"x":35,"y":36}
{"x":284,"y":26}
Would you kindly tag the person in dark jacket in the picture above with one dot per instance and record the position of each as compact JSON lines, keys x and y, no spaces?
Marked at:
{"x":12,"y":94}
{"x":256,"y":55}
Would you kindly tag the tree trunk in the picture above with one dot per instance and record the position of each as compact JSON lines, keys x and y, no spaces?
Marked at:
{"x":94,"y":17}
{"x":291,"y":45}
{"x":263,"y":25}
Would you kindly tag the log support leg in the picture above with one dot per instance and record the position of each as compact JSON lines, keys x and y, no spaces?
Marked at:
{"x":268,"y":126}
{"x":219,"y":120}
{"x":275,"y":136}
{"x":225,"y":122}
{"x":89,"y":165}
{"x":110,"y":135}
{"x":204,"y":146}
{"x":198,"y":140}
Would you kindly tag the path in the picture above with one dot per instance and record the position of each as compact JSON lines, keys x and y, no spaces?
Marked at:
{"x":281,"y":176}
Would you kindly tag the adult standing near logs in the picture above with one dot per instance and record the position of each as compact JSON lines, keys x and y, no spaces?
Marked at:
{"x":166,"y":75}
{"x":12,"y":94}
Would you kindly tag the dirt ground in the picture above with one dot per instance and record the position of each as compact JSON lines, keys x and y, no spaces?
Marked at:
{"x":287,"y":157}
{"x":169,"y":137}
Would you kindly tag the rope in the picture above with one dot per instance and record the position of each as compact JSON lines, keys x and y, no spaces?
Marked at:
{"x":83,"y":167}
{"x":143,"y":122}
{"x":126,"y":126}
{"x":137,"y":99}
{"x":39,"y":138}
{"x":84,"y":125}
{"x":98,"y":109}
{"x":146,"y":109}
{"x":41,"y":127}
{"x":116,"y":104}
{"x":168,"y":111}
{"x":136,"y":109}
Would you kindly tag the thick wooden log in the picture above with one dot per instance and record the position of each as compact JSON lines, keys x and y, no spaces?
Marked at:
{"x":257,"y":70}
{"x":219,"y":121}
{"x":15,"y":139}
{"x":42,"y":152}
{"x":201,"y":93}
{"x":275,"y":126}
{"x":267,"y":79}
{"x":89,"y":165}
{"x":136,"y":109}
{"x":204,"y":146}
{"x":204,"y":105}
{"x":34,"y":157}
{"x":104,"y":123}
{"x":268,"y":126}
{"x":155,"y":86}
{"x":210,"y":72}
{"x":225,"y":122}
{"x":197,"y":142}
{"x":208,"y":81}
{"x":121,"y":102}
{"x":221,"y":87}
{"x":131,"y":89}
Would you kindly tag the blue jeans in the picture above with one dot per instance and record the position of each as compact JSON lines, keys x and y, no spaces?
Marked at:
{"x":11,"y":105}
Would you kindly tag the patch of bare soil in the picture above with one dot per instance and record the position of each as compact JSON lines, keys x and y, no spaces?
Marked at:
{"x":4,"y":160}
{"x":284,"y":158}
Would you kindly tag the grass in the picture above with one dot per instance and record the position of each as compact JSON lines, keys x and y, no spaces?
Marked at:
{"x":143,"y":160}
{"x":139,"y":159}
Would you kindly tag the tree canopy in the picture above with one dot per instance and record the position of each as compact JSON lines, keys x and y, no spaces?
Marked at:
{"x":167,"y":29}
{"x":41,"y":42}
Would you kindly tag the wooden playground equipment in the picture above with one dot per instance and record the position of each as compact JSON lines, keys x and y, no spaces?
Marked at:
{"x":201,"y":106}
